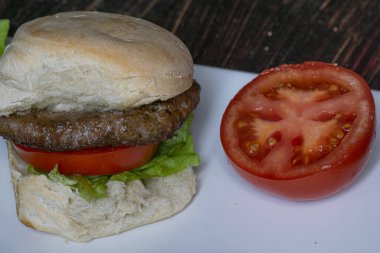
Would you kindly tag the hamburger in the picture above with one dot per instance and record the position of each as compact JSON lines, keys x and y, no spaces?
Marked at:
{"x":96,"y":109}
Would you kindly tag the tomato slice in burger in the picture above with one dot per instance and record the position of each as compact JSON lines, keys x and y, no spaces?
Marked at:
{"x":88,"y":162}
{"x":301,"y":131}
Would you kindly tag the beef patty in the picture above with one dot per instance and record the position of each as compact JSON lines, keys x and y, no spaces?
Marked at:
{"x":63,"y":131}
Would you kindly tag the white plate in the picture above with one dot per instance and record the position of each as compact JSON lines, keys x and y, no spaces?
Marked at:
{"x":228,"y":214}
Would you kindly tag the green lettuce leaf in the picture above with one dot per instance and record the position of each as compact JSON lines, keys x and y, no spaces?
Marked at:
{"x":4,"y":28}
{"x":89,"y":188}
{"x":33,"y":171}
{"x":172,"y":156}
{"x":55,"y":176}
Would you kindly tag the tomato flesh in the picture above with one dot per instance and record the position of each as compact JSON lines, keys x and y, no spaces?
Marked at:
{"x":88,"y":162}
{"x":301,"y":131}
{"x":259,"y":134}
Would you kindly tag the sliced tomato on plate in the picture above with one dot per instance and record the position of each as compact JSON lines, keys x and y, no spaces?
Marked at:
{"x":88,"y":162}
{"x":301,"y":131}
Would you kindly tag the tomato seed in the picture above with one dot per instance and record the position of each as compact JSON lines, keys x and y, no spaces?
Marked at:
{"x":242,"y":124}
{"x":340,"y":135}
{"x":333,"y":141}
{"x":301,"y":159}
{"x":253,"y":147}
{"x":333,"y":87}
{"x":272,"y":141}
{"x":296,"y":160}
{"x":325,"y":148}
{"x":346,"y":127}
{"x":338,"y":116}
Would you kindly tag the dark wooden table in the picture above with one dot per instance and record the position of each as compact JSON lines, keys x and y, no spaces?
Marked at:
{"x":248,"y":35}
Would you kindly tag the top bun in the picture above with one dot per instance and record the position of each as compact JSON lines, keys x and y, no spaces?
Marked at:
{"x":91,"y":61}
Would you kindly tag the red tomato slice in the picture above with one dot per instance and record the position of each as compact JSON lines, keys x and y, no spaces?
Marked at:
{"x":301,"y":131}
{"x":88,"y":162}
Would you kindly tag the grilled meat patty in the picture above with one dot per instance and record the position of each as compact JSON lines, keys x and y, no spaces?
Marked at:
{"x":63,"y":131}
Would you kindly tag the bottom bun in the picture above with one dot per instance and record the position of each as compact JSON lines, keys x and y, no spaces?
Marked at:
{"x":53,"y":207}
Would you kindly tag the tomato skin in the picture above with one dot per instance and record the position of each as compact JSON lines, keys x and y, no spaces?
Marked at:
{"x":320,"y":182}
{"x":88,"y":162}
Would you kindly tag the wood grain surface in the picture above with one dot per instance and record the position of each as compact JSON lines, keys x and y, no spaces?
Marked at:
{"x":248,"y":35}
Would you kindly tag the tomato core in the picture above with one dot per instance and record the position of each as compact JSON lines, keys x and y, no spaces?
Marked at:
{"x":88,"y":162}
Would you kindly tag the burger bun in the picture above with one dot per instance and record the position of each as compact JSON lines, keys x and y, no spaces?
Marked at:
{"x":92,"y":61}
